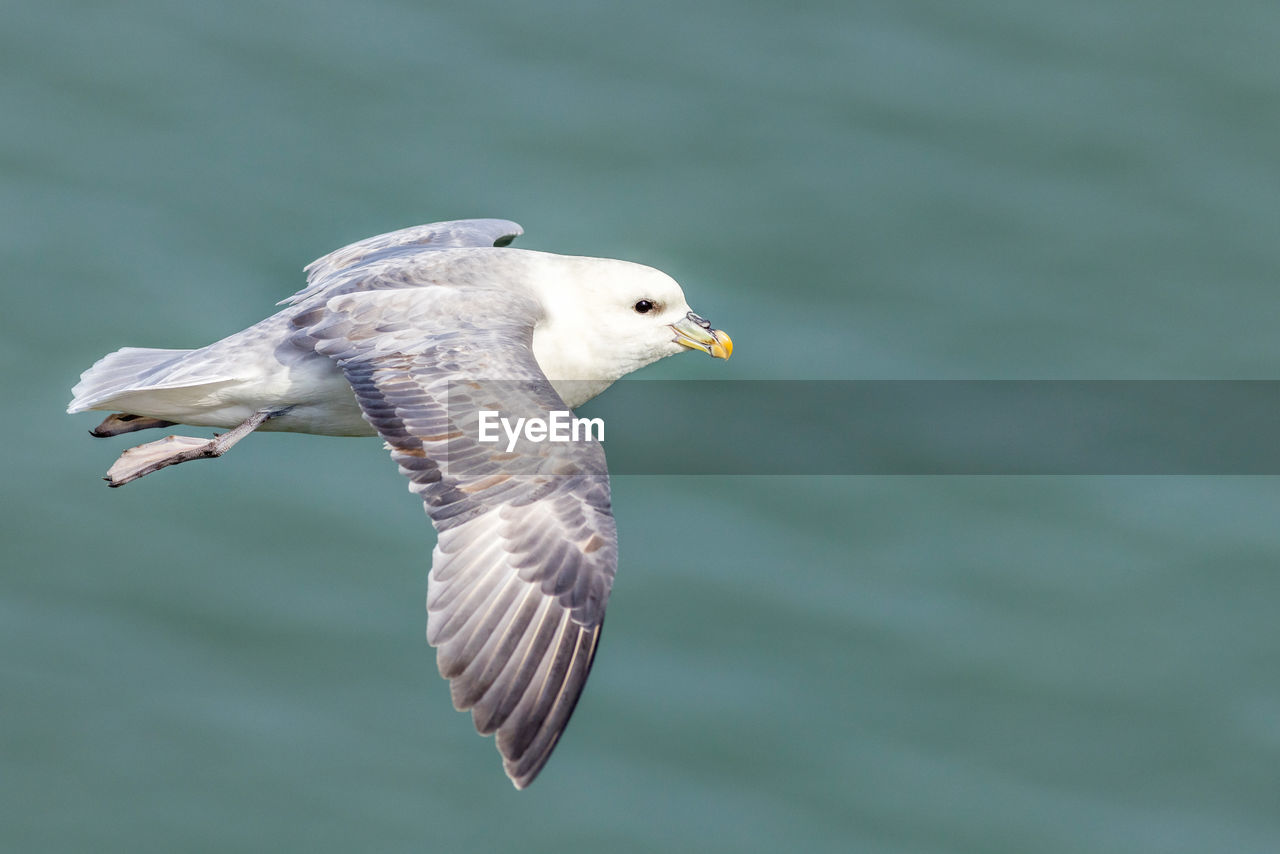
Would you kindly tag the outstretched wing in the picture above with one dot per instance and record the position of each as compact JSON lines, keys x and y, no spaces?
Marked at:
{"x":527,"y":546}
{"x":455,"y":234}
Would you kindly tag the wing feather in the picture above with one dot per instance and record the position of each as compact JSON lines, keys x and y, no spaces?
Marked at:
{"x":526,"y":548}
{"x":496,"y":706}
{"x":456,"y":234}
{"x":484,"y":667}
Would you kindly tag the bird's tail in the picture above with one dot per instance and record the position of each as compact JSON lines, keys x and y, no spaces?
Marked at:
{"x":124,"y":373}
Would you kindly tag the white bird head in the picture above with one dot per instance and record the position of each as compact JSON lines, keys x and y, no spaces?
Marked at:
{"x":606,"y":318}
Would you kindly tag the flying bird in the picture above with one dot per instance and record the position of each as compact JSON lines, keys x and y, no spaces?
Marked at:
{"x":409,"y":336}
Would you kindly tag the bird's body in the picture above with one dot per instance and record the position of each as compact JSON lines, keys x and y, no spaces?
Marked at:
{"x":269,"y":365}
{"x":407,"y":336}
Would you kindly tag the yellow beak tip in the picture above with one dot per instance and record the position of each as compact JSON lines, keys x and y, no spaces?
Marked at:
{"x":723,"y":346}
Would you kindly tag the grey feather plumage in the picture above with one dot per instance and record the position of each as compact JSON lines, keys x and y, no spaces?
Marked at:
{"x":457,"y":234}
{"x":398,"y":259}
{"x":527,"y":546}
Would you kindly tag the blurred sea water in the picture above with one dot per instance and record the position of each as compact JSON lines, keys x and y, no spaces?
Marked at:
{"x":229,"y":656}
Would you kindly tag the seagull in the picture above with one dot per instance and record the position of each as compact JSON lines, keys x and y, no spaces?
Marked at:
{"x":409,"y":336}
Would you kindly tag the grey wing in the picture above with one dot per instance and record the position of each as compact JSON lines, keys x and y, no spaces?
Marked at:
{"x":527,"y":547}
{"x":455,"y":234}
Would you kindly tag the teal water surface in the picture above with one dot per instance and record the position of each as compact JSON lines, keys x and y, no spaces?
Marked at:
{"x":228,"y":656}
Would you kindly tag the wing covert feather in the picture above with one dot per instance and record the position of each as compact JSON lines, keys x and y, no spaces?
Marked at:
{"x":454,"y":234}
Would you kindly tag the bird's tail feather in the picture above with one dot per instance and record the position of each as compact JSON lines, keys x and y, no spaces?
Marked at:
{"x":127,"y":372}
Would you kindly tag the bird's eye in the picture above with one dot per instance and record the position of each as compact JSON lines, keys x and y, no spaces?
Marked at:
{"x":644,"y":306}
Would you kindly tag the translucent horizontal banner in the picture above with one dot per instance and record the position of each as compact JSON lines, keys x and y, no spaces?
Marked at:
{"x":941,"y":427}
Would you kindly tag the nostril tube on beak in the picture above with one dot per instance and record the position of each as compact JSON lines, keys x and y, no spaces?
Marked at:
{"x":705,"y":324}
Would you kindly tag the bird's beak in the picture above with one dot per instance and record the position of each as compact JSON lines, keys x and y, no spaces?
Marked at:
{"x":696,"y":334}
